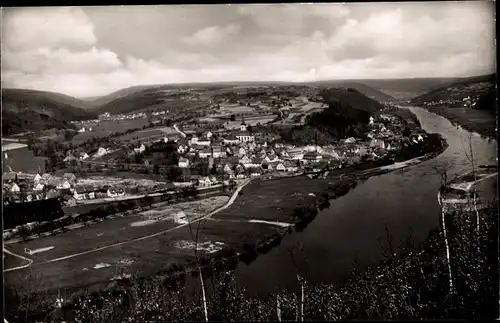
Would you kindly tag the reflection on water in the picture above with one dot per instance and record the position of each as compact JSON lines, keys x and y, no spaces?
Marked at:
{"x":353,"y":227}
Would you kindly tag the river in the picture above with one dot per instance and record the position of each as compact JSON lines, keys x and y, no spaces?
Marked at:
{"x":353,"y":227}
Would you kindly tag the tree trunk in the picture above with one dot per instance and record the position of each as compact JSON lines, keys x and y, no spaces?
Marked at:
{"x":278,"y":308}
{"x":443,"y":220}
{"x":302,"y":302}
{"x":203,"y":296}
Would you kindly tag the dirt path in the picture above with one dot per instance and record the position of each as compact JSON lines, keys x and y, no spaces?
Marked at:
{"x":17,"y":256}
{"x":177,"y":129}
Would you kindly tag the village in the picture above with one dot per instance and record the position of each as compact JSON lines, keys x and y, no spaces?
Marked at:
{"x":202,"y":159}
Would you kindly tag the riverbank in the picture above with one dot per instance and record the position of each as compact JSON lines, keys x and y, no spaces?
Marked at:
{"x":479,"y":121}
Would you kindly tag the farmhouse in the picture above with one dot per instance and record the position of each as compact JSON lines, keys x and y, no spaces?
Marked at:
{"x":296,"y":153}
{"x":205,"y":153}
{"x":183,"y":162}
{"x":140,"y":150}
{"x":291,"y":166}
{"x":203,"y":142}
{"x":37,"y":178}
{"x":245,"y":160}
{"x":112,"y":192}
{"x":231,"y":140}
{"x":280,"y":167}
{"x":63,"y":185}
{"x":312,"y":156}
{"x":228,"y":169}
{"x":377,"y":143}
{"x":193,"y":140}
{"x":15,"y":188}
{"x":218,"y":152}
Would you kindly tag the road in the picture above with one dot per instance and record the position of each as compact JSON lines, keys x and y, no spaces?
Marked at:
{"x":17,"y":256}
{"x":177,"y":129}
{"x":228,"y":204}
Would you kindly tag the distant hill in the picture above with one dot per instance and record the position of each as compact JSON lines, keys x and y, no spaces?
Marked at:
{"x":351,"y":98}
{"x":400,"y":89}
{"x":361,"y":86}
{"x":347,"y":115}
{"x":97,"y":102}
{"x":30,"y":110}
{"x":136,"y":100}
{"x":475,"y":87}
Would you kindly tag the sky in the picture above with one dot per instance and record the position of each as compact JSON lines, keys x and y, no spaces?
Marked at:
{"x":93,"y":51}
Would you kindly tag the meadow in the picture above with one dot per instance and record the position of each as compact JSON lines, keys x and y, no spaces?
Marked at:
{"x":95,"y":253}
{"x":108,"y":127}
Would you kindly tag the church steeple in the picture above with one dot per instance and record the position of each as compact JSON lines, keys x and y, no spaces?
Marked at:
{"x":243,"y":126}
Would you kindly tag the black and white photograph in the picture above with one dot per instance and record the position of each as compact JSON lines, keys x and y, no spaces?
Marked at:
{"x":250,"y":162}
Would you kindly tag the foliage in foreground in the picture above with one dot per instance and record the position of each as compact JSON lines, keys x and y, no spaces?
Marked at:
{"x":407,"y":285}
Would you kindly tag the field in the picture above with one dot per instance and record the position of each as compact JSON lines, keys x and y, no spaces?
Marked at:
{"x":11,"y":261}
{"x":148,"y":134}
{"x":249,"y":121}
{"x":135,"y":244}
{"x":108,"y":127}
{"x":114,"y":180}
{"x":274,"y":200}
{"x":22,"y":160}
{"x":478,"y":121}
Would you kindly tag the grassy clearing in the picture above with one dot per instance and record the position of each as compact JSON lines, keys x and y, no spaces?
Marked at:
{"x":148,"y":133}
{"x":117,"y":230}
{"x":311,"y":106}
{"x":141,"y":135}
{"x":235,"y":108}
{"x":249,"y":121}
{"x":274,"y":200}
{"x":23,"y":160}
{"x":108,"y":127}
{"x":145,"y":257}
{"x":10,"y":261}
{"x":117,"y":174}
{"x":115,"y":180}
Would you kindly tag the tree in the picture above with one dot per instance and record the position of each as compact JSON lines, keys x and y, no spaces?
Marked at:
{"x":23,"y":232}
{"x":194,"y":238}
{"x":443,"y":173}
{"x":469,"y":154}
{"x":233,"y":117}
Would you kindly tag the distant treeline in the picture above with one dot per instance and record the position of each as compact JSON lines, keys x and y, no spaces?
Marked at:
{"x":15,"y":214}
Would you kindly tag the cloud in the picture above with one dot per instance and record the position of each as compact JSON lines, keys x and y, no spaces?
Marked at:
{"x":214,"y":35}
{"x":61,"y":61}
{"x":96,"y":50}
{"x":31,"y":28}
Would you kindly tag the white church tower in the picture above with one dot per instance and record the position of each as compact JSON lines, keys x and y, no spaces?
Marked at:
{"x":243,"y":126}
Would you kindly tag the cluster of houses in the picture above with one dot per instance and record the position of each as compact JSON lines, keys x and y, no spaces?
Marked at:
{"x":466,"y":102}
{"x":86,"y":124}
{"x":244,"y":154}
{"x":21,"y":187}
